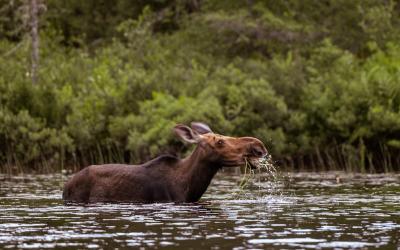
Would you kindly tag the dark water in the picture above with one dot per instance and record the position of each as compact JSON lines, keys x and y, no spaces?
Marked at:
{"x":300,"y":211}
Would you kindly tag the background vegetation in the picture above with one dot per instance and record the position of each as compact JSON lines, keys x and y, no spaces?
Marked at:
{"x":317,"y":81}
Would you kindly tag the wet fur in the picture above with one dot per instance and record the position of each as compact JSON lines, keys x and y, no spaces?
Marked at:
{"x":166,"y":178}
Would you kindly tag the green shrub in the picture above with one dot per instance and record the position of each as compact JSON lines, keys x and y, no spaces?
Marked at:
{"x":317,"y":82}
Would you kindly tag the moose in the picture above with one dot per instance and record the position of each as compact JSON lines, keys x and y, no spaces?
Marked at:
{"x":166,"y":178}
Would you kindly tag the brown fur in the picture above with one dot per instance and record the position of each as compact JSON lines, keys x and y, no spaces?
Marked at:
{"x":166,"y":178}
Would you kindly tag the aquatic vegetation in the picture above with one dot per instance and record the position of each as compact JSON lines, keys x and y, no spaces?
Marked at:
{"x":253,"y":174}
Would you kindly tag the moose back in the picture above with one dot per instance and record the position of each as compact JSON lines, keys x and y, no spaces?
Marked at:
{"x":166,"y":178}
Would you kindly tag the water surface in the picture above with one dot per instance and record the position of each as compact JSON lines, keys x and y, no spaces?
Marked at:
{"x":300,"y":211}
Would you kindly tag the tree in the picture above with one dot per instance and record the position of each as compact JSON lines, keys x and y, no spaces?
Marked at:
{"x":34,"y":31}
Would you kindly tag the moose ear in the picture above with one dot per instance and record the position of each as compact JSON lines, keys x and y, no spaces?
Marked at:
{"x":200,"y":127}
{"x":186,"y":134}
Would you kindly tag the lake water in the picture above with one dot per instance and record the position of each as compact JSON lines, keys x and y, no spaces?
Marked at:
{"x":299,"y":211}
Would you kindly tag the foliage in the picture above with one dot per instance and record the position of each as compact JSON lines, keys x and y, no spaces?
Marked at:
{"x":317,"y":81}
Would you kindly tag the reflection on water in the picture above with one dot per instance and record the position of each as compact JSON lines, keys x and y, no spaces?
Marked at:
{"x":300,"y":211}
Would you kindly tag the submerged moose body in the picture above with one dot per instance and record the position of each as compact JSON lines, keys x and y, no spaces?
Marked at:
{"x":166,"y":178}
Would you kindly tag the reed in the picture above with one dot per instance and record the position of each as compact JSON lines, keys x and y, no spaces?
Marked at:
{"x":345,"y":157}
{"x":335,"y":157}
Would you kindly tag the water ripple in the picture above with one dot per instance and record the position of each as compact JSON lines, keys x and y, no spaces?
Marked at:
{"x":297,"y":211}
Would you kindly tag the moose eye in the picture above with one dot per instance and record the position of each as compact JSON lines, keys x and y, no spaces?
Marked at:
{"x":220,"y":142}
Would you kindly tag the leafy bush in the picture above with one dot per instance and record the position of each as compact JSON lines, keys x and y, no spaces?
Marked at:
{"x":317,"y":82}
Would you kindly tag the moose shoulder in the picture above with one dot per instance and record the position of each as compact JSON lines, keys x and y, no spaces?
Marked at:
{"x":166,"y":178}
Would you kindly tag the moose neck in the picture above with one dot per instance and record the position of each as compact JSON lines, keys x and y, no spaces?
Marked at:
{"x":197,"y":174}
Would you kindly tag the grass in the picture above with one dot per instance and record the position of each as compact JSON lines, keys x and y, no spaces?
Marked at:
{"x":264,"y":165}
{"x":344,"y":157}
{"x":337,"y":157}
